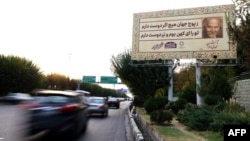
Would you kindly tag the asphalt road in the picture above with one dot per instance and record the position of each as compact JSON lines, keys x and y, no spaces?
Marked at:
{"x":115,"y":127}
{"x":111,"y":128}
{"x":12,"y":125}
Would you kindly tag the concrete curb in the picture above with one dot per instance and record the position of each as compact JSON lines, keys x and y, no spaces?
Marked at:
{"x":137,"y":135}
{"x":152,"y":133}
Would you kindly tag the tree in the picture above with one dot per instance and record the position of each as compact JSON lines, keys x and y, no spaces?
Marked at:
{"x":97,"y":90}
{"x":141,"y":78}
{"x":19,"y":74}
{"x":185,"y":77}
{"x":239,"y":33}
{"x":57,"y":81}
{"x":214,"y":86}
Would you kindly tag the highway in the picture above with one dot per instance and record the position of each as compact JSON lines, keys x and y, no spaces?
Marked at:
{"x":115,"y":127}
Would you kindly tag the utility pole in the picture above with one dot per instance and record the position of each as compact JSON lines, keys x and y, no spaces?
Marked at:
{"x":69,"y":55}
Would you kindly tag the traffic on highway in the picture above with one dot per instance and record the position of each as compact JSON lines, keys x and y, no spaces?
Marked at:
{"x":50,"y":117}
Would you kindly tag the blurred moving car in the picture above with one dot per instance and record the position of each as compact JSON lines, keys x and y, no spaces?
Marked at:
{"x":114,"y":102}
{"x":84,"y":93}
{"x":57,"y":112}
{"x":17,"y":97}
{"x":98,"y":105}
{"x":121,"y":99}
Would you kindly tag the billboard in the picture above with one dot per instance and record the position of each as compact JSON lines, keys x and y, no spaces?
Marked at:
{"x":199,"y":33}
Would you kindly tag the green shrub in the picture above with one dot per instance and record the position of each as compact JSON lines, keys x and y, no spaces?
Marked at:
{"x":176,"y":106}
{"x":212,"y":99}
{"x":222,"y":119}
{"x":216,"y":126}
{"x":231,"y":107}
{"x":138,"y":101}
{"x":189,"y":94}
{"x":196,"y":117}
{"x":155,"y":103}
{"x":161,"y":116}
{"x":212,"y":118}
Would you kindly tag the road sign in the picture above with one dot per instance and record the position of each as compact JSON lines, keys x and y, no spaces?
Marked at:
{"x":109,"y":79}
{"x":89,"y":79}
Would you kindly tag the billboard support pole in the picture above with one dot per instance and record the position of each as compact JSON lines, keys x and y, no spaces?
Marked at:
{"x":170,"y":87}
{"x":198,"y":82}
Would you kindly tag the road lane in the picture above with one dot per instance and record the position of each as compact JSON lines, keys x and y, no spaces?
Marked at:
{"x":112,"y":128}
{"x":12,"y":123}
{"x":115,"y":127}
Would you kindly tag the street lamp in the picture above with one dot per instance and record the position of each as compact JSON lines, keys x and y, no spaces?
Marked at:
{"x":69,"y":54}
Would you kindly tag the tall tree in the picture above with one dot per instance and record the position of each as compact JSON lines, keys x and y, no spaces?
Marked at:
{"x":214,"y":85}
{"x":185,"y":77}
{"x":18,"y":74}
{"x":142,"y":79}
{"x":239,"y":31}
{"x":57,"y":81}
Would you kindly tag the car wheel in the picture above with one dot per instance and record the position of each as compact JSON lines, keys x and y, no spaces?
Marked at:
{"x":76,"y":131}
{"x":84,"y":128}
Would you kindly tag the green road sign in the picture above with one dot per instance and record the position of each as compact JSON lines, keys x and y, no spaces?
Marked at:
{"x":108,"y":79}
{"x":89,"y":79}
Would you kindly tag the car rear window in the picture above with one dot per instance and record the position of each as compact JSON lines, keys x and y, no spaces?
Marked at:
{"x":13,"y":94}
{"x":113,"y":99}
{"x":51,"y":99}
{"x":96,"y":100}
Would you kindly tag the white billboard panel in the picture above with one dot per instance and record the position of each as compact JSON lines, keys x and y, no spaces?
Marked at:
{"x":197,"y":33}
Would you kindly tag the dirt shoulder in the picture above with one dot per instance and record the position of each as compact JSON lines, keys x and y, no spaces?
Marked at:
{"x":183,"y":129}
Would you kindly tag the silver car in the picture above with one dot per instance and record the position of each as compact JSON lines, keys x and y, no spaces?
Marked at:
{"x":98,"y":105}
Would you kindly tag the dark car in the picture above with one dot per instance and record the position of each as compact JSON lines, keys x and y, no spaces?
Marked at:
{"x":60,"y":113}
{"x":98,"y":105}
{"x":114,"y":102}
{"x":16,"y":98}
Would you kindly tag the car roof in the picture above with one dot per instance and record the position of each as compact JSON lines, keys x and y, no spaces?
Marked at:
{"x":113,"y":98}
{"x":96,"y":97}
{"x":54,"y":92}
{"x":18,"y":93}
{"x":82,"y":91}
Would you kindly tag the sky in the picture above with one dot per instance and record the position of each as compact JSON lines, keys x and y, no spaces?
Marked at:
{"x":76,"y":37}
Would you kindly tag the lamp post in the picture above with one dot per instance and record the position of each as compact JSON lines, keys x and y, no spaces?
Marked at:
{"x":69,"y":55}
